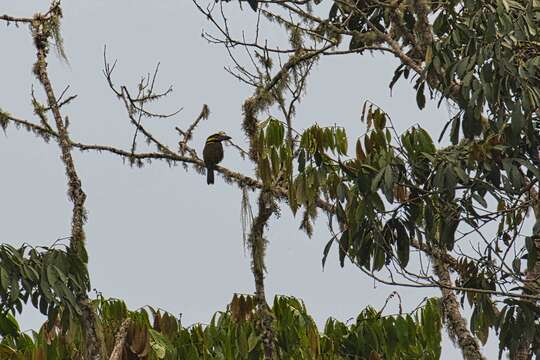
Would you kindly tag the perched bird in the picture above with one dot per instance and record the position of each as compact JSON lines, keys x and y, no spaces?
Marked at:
{"x":252,"y":3}
{"x":213,"y":154}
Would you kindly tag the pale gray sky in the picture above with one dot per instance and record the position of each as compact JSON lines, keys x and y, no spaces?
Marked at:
{"x":160,"y":236}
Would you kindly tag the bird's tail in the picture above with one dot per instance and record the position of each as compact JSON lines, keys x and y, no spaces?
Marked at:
{"x":253,"y":4}
{"x":210,"y":176}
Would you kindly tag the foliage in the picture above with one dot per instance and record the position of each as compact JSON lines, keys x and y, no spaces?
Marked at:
{"x":155,"y":334}
{"x":398,"y":192}
{"x":49,"y":277}
{"x":393,"y":194}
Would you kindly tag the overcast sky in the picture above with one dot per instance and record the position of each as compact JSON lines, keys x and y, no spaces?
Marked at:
{"x":159,"y":235}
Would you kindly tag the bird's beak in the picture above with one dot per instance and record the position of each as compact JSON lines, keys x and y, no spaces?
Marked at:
{"x":225,"y":137}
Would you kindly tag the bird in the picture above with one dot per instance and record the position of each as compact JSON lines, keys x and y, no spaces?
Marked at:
{"x":253,"y":3}
{"x":213,"y":153}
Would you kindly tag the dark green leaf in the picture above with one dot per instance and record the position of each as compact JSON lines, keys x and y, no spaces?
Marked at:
{"x":420,"y":97}
{"x":326,"y":251}
{"x":343,"y":247}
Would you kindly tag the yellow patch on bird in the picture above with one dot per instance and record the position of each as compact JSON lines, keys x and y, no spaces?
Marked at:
{"x":218,"y":137}
{"x":212,"y":139}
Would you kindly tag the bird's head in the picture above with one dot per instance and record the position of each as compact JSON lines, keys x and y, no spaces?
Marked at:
{"x":220,"y":136}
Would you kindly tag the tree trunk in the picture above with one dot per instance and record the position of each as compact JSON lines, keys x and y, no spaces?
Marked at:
{"x":257,"y":244}
{"x":532,"y":285}
{"x":456,"y":325}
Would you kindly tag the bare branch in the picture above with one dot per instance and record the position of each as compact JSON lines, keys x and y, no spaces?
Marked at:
{"x":93,"y":340}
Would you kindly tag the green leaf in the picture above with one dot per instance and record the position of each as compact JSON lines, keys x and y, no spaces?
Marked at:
{"x":379,"y":119}
{"x":377,"y":179}
{"x":403,"y":244}
{"x":158,"y":343}
{"x":389,"y":184}
{"x":275,"y":132}
{"x":440,"y":25}
{"x":516,"y":265}
{"x":426,"y":142}
{"x":454,"y":131}
{"x":531,"y":253}
{"x":276,"y":163}
{"x":343,"y":247}
{"x":301,"y":160}
{"x":471,"y":125}
{"x":327,"y":250}
{"x":420,"y":97}
{"x":360,"y":155}
{"x":14,"y":288}
{"x":341,"y":191}
{"x":293,"y":201}
{"x":253,"y":340}
{"x":43,"y":304}
{"x":379,"y":257}
{"x":4,"y":279}
{"x":395,"y":78}
{"x":448,"y":230}
{"x":480,"y":200}
{"x":52,"y":276}
{"x":264,"y":170}
{"x":341,"y":141}
{"x":8,"y":325}
{"x":461,"y":174}
{"x":518,"y":120}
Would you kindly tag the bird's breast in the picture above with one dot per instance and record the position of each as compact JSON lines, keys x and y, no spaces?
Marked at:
{"x":213,"y":153}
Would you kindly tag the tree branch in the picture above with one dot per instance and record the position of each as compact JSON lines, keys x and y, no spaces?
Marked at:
{"x":120,"y":340}
{"x":455,"y":323}
{"x":257,"y":244}
{"x":41,"y":31}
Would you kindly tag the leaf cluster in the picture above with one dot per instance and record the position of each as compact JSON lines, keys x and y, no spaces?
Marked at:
{"x":50,"y":278}
{"x":232,"y":335}
{"x":396,"y":190}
